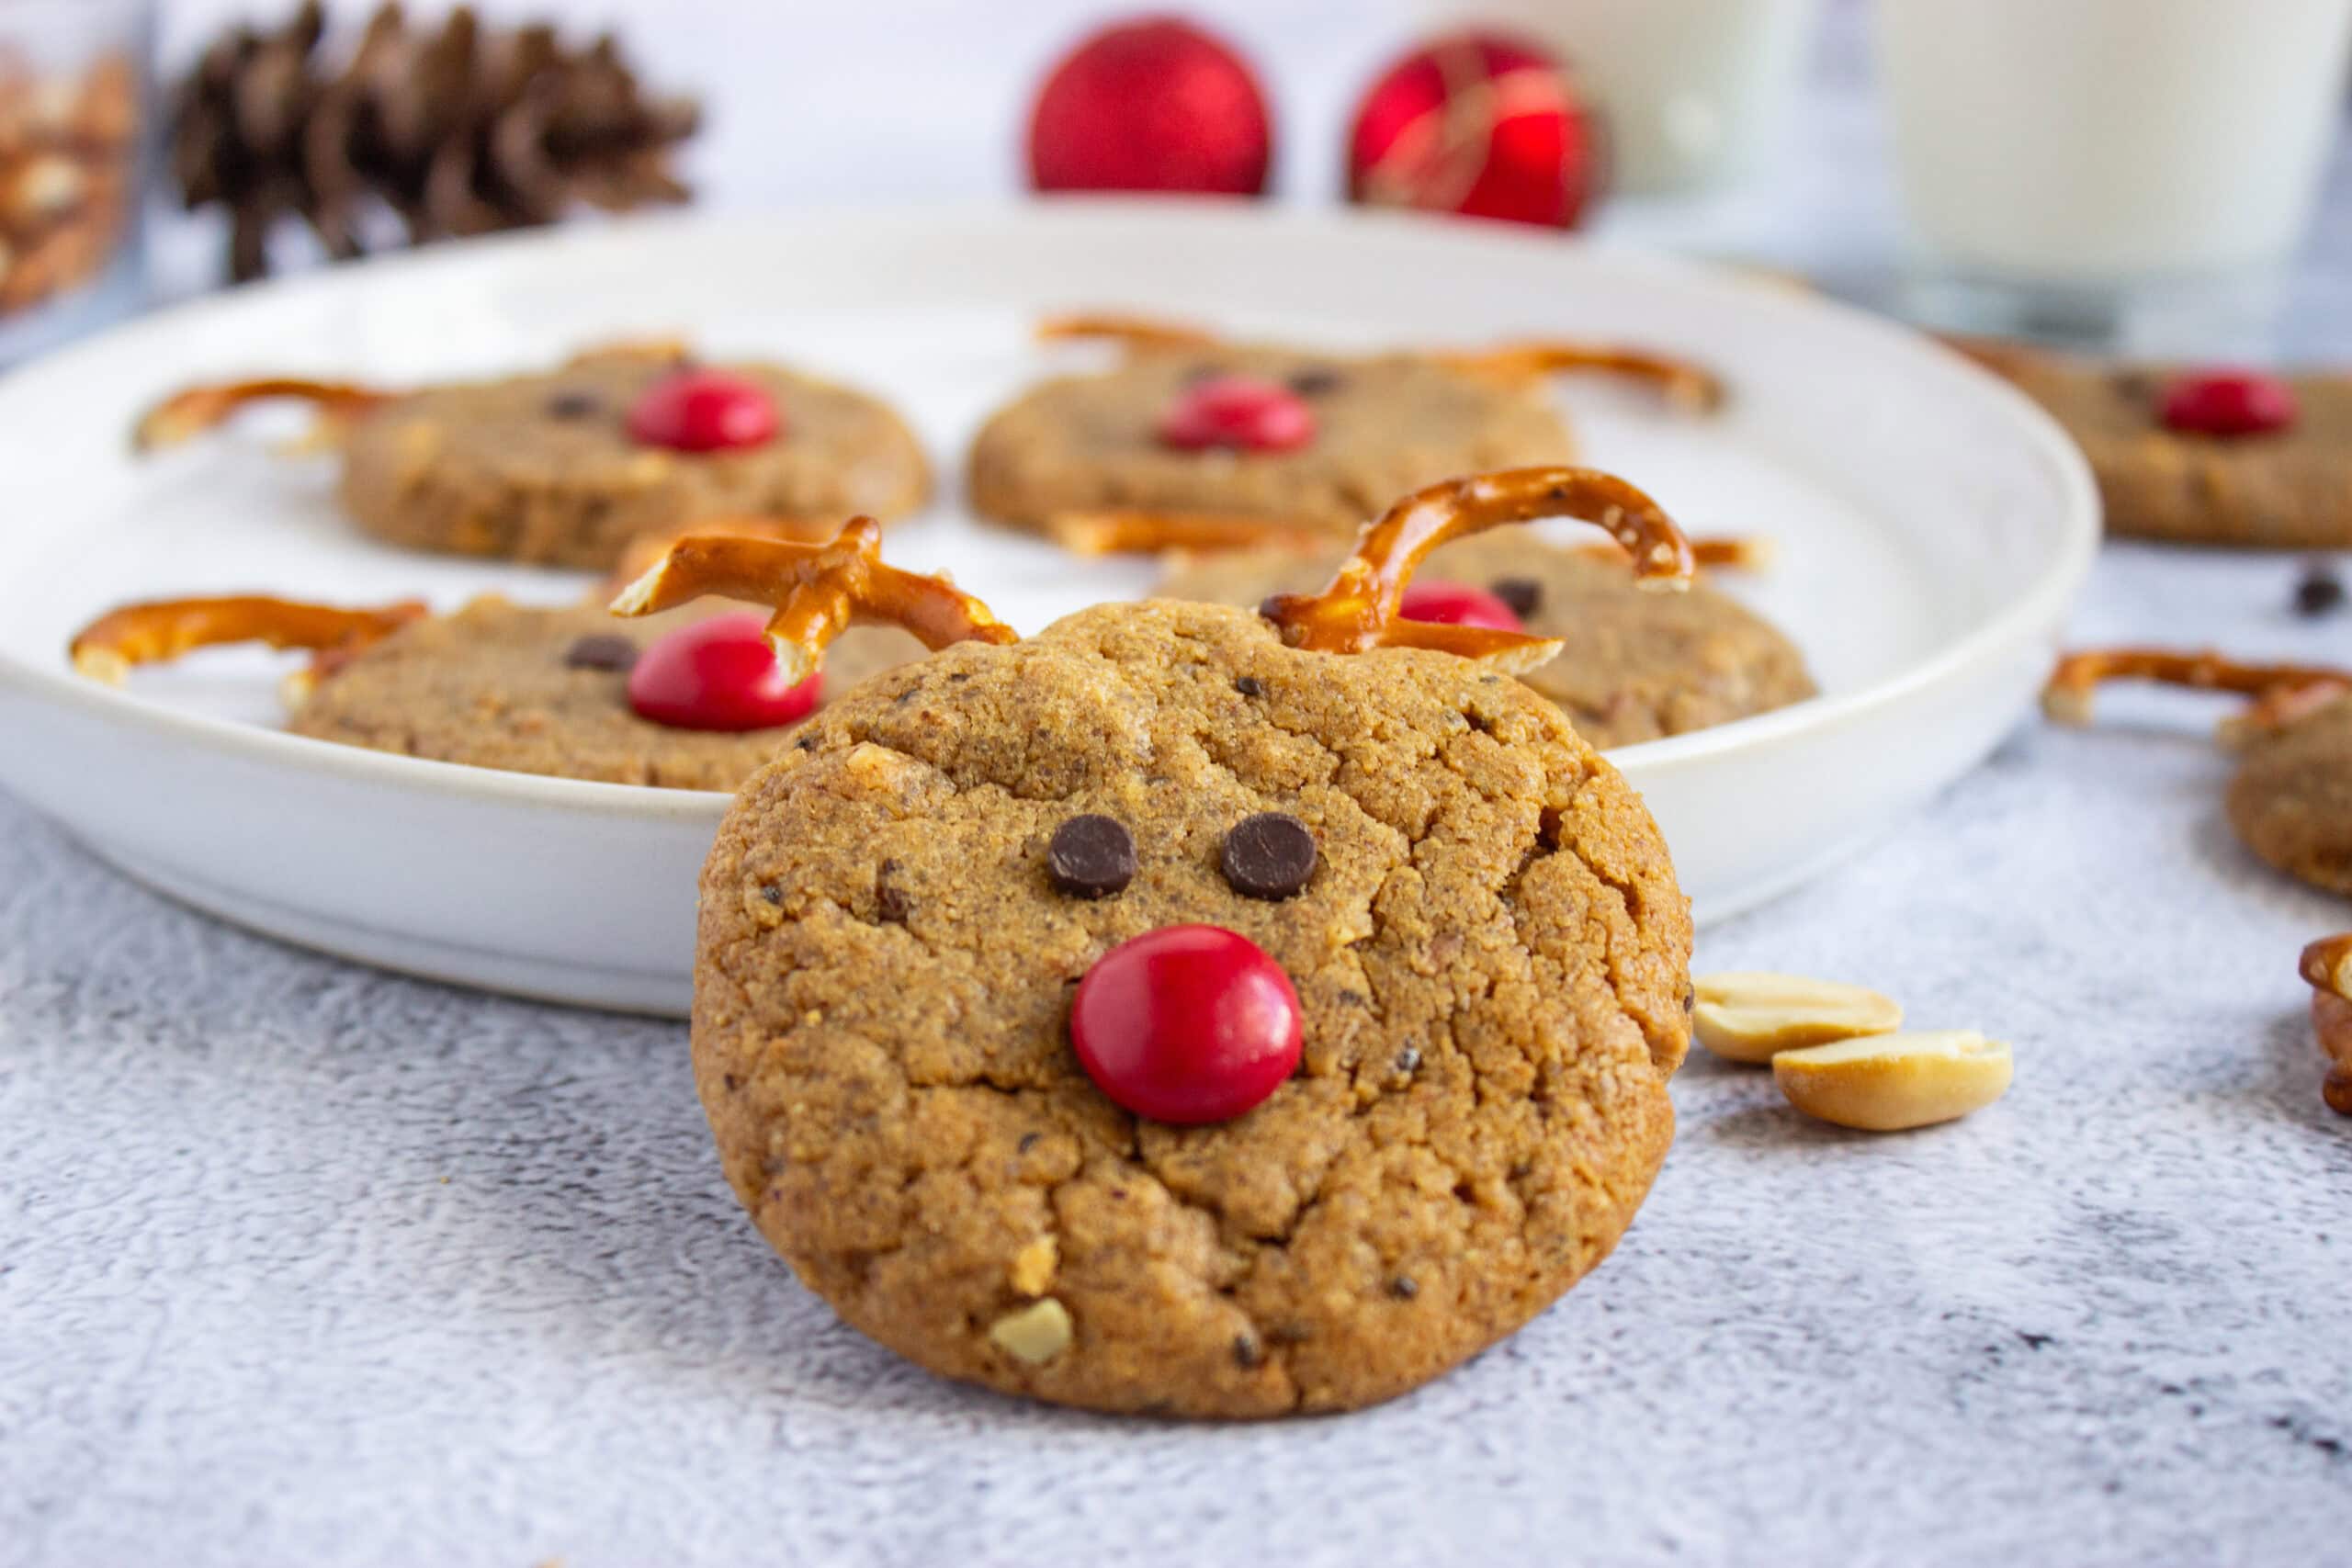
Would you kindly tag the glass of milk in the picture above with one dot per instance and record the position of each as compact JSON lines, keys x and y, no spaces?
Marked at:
{"x":2066,"y":163}
{"x":1691,"y":93}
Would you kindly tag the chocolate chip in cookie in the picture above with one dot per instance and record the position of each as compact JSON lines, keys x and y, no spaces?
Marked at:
{"x":601,"y":650}
{"x":1092,"y":856}
{"x":1269,"y":855}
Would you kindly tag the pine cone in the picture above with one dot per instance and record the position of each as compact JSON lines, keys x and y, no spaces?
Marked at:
{"x":458,"y":130}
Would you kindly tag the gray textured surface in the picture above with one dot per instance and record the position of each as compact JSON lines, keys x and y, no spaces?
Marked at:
{"x":300,"y":1263}
{"x":304,"y":1264}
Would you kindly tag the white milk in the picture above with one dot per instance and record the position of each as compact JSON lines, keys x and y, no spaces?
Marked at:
{"x":2077,"y":142}
{"x":1692,"y":90}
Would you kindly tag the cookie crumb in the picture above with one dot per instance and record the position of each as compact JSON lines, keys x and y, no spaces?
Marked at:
{"x":2321,"y":592}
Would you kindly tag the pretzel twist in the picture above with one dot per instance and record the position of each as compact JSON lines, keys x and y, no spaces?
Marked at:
{"x":2327,"y":966}
{"x":819,"y":592}
{"x":1359,"y":609}
{"x":192,"y":411}
{"x":2282,"y":693}
{"x":162,"y":629}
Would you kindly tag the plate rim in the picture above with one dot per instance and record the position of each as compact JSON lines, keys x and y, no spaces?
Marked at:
{"x":2079,"y":518}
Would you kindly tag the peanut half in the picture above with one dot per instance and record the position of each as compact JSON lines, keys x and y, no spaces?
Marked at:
{"x":1884,"y":1083}
{"x":1036,"y":1334}
{"x":1751,"y":1016}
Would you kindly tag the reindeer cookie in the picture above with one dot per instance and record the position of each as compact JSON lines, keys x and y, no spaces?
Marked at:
{"x":1634,"y":665}
{"x":1190,"y":1009}
{"x":1195,"y":424}
{"x":2291,"y":800}
{"x":693,"y":700}
{"x":562,"y":468}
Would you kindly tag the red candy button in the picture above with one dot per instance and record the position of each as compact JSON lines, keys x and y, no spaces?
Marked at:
{"x":1186,"y":1024}
{"x":2227,"y":403}
{"x":1247,"y":412}
{"x":704,"y":410}
{"x":1457,"y":604}
{"x":718,"y":674}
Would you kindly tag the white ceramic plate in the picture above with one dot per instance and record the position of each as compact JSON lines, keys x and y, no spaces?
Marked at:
{"x":1932,"y":527}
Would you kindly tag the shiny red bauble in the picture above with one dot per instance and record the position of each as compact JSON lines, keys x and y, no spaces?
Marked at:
{"x":1186,"y":1024}
{"x":1248,"y":413}
{"x":1480,"y":124}
{"x":704,"y":410}
{"x":1457,"y":604}
{"x":719,"y":674}
{"x":1151,"y":105}
{"x":2227,"y":403}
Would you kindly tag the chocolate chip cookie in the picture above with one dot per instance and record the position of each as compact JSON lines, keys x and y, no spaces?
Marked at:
{"x":562,"y":468}
{"x":2200,"y":456}
{"x":1192,"y":424}
{"x":1178,"y":1013}
{"x":496,"y":684}
{"x":2290,"y":799}
{"x":1637,"y":665}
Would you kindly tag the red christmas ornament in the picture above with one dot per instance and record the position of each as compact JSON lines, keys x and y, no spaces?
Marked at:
{"x":1478,"y":124}
{"x":1186,"y":1024}
{"x":1246,"y":412}
{"x":719,"y":674}
{"x":2227,"y":403}
{"x":1457,"y":604}
{"x":1154,"y":103}
{"x":704,"y":410}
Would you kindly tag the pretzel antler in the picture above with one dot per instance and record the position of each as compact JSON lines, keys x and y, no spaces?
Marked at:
{"x":195,"y":410}
{"x":163,"y":629}
{"x":642,"y":552}
{"x":1126,"y":531}
{"x":2283,"y":692}
{"x":819,"y":592}
{"x":1682,"y":382}
{"x":1360,"y":608}
{"x":1136,"y":530}
{"x":2327,"y":966}
{"x":1134,"y":331}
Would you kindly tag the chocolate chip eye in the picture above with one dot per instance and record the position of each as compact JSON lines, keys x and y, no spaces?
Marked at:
{"x":1269,"y":855}
{"x":1090,"y":857}
{"x":604,"y":650}
{"x":1523,"y":594}
{"x":575,"y":405}
{"x":1316,"y":381}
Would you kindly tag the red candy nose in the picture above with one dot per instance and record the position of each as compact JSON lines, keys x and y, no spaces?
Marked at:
{"x":1186,"y":1024}
{"x":1246,"y":412}
{"x":719,"y":674}
{"x":704,"y":410}
{"x":1458,"y":604}
{"x":2227,"y":403}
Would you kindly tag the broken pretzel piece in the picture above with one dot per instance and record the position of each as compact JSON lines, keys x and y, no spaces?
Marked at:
{"x":1685,"y":384}
{"x":1682,"y":383}
{"x":163,"y":629}
{"x":2328,"y":967}
{"x":2278,"y":689}
{"x":819,"y":592}
{"x":1360,"y":609}
{"x":188,"y":413}
{"x":1136,"y":530}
